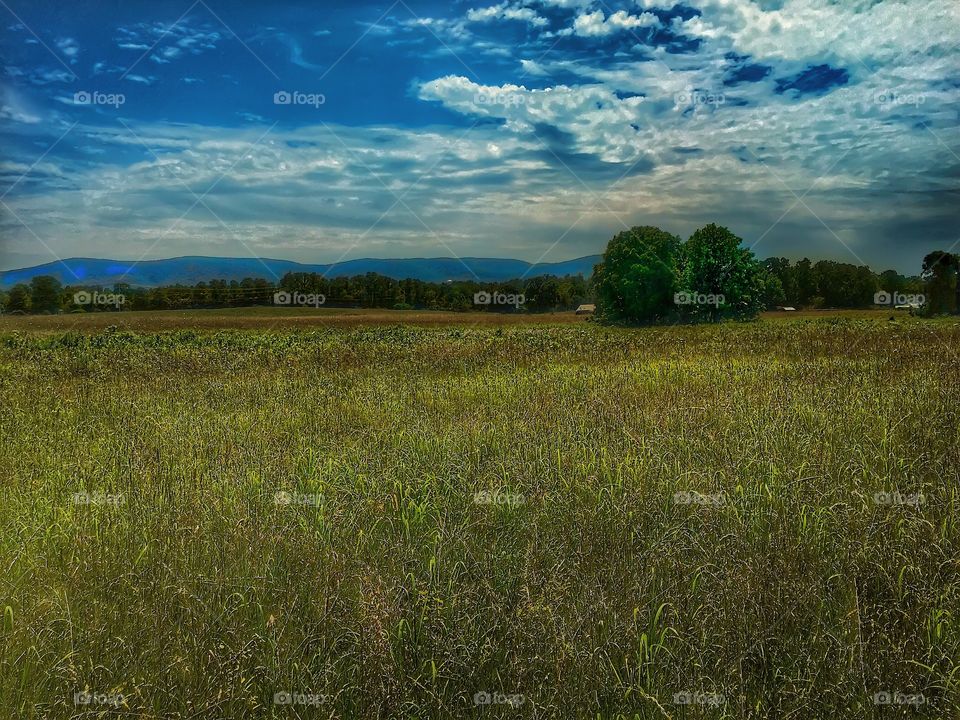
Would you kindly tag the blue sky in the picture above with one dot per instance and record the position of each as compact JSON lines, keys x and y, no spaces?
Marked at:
{"x":534,"y":130}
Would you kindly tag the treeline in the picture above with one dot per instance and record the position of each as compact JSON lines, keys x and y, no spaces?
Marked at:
{"x":829,"y":284}
{"x":541,"y":293}
{"x":650,"y":276}
{"x":45,"y":294}
{"x":842,"y":285}
{"x":644,"y":269}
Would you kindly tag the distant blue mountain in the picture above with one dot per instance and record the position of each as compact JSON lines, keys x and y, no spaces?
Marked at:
{"x":191,"y":270}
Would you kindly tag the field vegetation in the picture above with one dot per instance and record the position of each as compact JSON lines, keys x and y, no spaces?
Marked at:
{"x":754,"y":520}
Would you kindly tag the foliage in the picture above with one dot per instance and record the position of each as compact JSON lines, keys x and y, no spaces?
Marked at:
{"x":638,"y":277}
{"x":715,"y":264}
{"x":45,"y":294}
{"x":940,"y":272}
{"x":18,"y":299}
{"x":649,"y":276}
{"x":368,"y":291}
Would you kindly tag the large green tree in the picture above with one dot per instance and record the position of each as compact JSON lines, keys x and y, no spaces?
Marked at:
{"x":637,"y":279}
{"x":892,"y":282}
{"x":941,"y":285}
{"x":19,"y":298}
{"x":805,"y":282}
{"x":543,"y":292}
{"x":46,"y":293}
{"x":773,"y":295}
{"x":779,"y":269}
{"x":715,"y":264}
{"x":843,"y":285}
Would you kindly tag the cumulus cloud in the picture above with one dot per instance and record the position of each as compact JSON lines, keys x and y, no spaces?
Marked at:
{"x":506,"y":11}
{"x":595,"y":25}
{"x":849,"y":31}
{"x":699,"y":128}
{"x":594,"y":119}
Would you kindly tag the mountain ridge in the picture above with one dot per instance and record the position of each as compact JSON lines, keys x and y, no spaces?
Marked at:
{"x":191,"y":269}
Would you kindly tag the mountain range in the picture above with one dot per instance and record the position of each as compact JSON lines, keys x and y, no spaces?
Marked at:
{"x":193,"y":269}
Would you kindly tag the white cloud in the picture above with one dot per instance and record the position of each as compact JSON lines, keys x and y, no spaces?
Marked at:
{"x":700,"y":134}
{"x":533,"y":68}
{"x":68,"y":46}
{"x":506,"y":11}
{"x":597,"y":121}
{"x":101,"y":67}
{"x":567,"y":4}
{"x":594,"y":25}
{"x":169,"y":41}
{"x":14,"y":107}
{"x":848,"y":31}
{"x":376,"y":29}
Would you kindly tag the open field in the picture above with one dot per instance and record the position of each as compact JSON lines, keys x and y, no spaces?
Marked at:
{"x":273,"y":318}
{"x":760,"y":518}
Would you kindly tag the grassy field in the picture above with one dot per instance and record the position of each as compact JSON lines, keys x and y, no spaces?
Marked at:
{"x":272,"y":318}
{"x":547,"y":520}
{"x":275,"y":318}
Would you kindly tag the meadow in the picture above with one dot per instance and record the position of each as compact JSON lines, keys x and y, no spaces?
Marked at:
{"x":479,"y":519}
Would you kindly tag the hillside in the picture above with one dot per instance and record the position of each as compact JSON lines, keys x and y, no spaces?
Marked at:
{"x":194,"y":269}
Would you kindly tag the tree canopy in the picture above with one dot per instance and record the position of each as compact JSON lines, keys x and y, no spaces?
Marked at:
{"x":638,"y":277}
{"x":648,"y":276}
{"x":714,"y":265}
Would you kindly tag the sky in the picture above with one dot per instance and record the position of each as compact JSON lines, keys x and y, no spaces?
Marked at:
{"x":527,"y":129}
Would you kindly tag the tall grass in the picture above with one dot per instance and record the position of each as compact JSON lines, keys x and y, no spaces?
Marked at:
{"x":761,"y":519}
